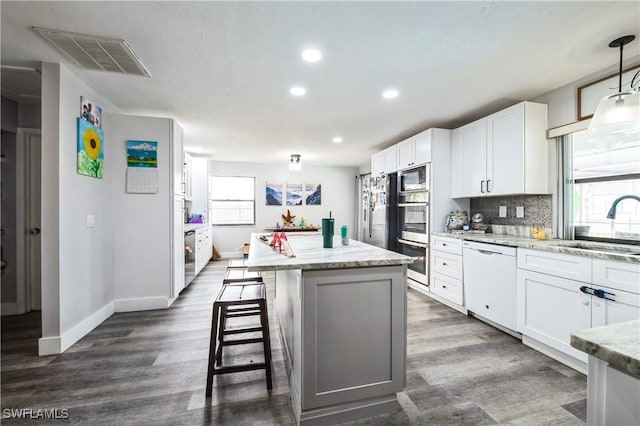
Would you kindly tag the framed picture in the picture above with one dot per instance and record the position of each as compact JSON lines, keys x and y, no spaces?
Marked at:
{"x":90,"y":150}
{"x":590,"y":94}
{"x":313,"y":194}
{"x":142,"y":154}
{"x":294,"y":194}
{"x":273,"y":193}
{"x":90,"y":112}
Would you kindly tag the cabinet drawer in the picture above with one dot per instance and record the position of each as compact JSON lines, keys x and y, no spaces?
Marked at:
{"x":450,"y":245}
{"x":560,"y":265}
{"x":447,"y":287}
{"x":447,"y":264}
{"x":618,"y":275}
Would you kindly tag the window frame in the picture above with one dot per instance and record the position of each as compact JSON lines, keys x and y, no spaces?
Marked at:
{"x":253,"y":200}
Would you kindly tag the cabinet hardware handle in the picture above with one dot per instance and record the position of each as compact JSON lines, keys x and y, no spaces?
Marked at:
{"x":488,"y":180}
{"x":482,"y":186}
{"x":444,"y":264}
{"x":444,"y":286}
{"x":585,"y":303}
{"x":444,"y":244}
{"x":596,"y":304}
{"x":486,"y":306}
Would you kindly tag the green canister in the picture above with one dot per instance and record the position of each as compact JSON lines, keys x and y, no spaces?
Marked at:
{"x":327,"y":232}
{"x":344,"y":235}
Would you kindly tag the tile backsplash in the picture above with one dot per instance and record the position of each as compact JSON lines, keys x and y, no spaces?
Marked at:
{"x":537,"y":210}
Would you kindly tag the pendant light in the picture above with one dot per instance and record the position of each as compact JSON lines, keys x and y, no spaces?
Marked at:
{"x":618,"y":113}
{"x":295,"y":163}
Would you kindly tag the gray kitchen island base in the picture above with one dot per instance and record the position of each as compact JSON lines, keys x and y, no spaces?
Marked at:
{"x":344,"y":340}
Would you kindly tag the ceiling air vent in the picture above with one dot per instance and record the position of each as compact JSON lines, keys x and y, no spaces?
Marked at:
{"x":96,"y":53}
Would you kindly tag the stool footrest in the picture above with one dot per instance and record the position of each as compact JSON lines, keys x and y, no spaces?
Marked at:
{"x":239,"y":368}
{"x":242,"y":330}
{"x":242,"y":314}
{"x":241,"y":341}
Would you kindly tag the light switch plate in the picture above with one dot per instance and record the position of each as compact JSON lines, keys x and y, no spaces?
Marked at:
{"x":502,"y":211}
{"x":520,"y":211}
{"x":91,"y":221}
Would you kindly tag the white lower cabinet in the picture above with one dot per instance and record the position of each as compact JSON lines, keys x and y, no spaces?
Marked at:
{"x":445,"y":277}
{"x":551,"y":307}
{"x":203,"y":247}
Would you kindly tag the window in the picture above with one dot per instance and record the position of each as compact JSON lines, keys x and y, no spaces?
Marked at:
{"x":600,"y":172}
{"x":233,"y":200}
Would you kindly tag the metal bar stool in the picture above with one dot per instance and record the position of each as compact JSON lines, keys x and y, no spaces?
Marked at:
{"x":238,"y":263}
{"x":238,"y":300}
{"x":240,"y":275}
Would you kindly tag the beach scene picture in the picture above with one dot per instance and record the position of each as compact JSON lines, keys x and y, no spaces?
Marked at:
{"x":273,"y":193}
{"x":313,"y":192}
{"x":142,"y":154}
{"x":294,"y":194}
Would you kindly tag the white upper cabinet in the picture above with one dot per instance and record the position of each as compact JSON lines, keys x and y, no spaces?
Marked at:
{"x":414,"y":151}
{"x":179,"y":185}
{"x":502,"y":154}
{"x":377,"y":164}
{"x":391,"y":159}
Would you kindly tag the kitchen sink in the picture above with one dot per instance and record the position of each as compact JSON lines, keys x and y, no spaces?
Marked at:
{"x":600,"y":247}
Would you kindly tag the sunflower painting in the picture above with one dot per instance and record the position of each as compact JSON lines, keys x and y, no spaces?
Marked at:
{"x":90,"y":149}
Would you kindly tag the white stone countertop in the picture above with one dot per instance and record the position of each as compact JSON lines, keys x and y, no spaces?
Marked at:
{"x":617,"y":344}
{"x":311,"y":255}
{"x":193,"y":226}
{"x":596,"y":250}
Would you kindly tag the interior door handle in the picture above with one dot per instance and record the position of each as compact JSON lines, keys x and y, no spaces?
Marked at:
{"x":34,"y":231}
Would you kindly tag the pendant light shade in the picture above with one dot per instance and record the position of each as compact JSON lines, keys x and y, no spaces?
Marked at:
{"x":618,"y":113}
{"x":295,"y":162}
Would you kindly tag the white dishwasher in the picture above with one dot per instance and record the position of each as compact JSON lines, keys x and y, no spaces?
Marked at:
{"x":490,"y":282}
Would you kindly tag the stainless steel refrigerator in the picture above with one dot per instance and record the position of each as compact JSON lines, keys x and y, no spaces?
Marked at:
{"x":383,"y":223}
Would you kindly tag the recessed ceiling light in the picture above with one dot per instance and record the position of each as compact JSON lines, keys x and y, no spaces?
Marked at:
{"x":337,"y":139}
{"x":298,"y":91}
{"x":311,"y":55}
{"x":390,"y":94}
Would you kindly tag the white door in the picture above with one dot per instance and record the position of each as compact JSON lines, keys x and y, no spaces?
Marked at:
{"x":422,"y":148}
{"x":178,"y":245}
{"x":619,"y":306}
{"x":405,"y":154}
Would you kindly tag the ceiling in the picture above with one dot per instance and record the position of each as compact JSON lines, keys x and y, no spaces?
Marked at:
{"x":224,"y":69}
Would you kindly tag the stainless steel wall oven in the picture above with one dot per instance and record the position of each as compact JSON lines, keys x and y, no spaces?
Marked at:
{"x":413,"y":220}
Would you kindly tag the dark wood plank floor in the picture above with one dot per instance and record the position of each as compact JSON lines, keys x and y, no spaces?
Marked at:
{"x":149,"y":368}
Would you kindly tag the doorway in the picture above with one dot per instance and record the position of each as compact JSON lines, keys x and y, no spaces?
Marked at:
{"x":21,"y":251}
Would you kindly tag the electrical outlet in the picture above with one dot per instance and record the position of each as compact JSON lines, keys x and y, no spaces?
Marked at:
{"x":91,"y":221}
{"x":502,"y":211}
{"x":520,"y":211}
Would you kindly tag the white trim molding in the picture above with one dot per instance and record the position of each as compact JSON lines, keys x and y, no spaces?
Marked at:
{"x":141,"y":304}
{"x":568,"y":128}
{"x":58,"y":344}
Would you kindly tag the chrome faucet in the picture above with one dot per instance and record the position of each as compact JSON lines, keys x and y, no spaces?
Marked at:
{"x":612,"y":210}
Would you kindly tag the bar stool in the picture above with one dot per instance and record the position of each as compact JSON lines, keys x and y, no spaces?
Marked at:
{"x":239,"y":300}
{"x":237,"y":263}
{"x":240,"y":275}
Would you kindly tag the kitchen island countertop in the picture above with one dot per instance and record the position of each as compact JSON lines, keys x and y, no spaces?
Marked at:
{"x":311,"y":255}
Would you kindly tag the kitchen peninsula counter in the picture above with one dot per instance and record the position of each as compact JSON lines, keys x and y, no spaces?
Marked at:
{"x":342,"y":317}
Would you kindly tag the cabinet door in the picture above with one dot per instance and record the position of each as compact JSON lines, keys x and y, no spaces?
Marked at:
{"x":391,"y":159}
{"x":624,"y":307}
{"x":406,"y":154}
{"x":178,"y":246}
{"x":550,"y":309}
{"x":473,"y":139}
{"x":505,"y":151}
{"x":187,"y":171}
{"x":377,"y":164}
{"x":178,"y":158}
{"x":457,"y":159}
{"x":422,"y":148}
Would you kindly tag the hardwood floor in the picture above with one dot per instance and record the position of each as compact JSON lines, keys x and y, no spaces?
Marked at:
{"x":150,"y":367}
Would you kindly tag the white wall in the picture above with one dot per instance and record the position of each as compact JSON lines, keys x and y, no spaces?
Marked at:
{"x":338,"y":196}
{"x":142,"y":222}
{"x":77,"y":273}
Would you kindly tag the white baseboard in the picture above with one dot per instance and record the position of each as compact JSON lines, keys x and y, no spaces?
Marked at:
{"x":141,"y":304}
{"x":9,"y":308}
{"x":231,"y":254}
{"x":59,"y":344}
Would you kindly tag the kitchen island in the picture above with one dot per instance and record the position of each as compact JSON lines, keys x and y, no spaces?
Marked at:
{"x":613,"y":382}
{"x":342,"y":317}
